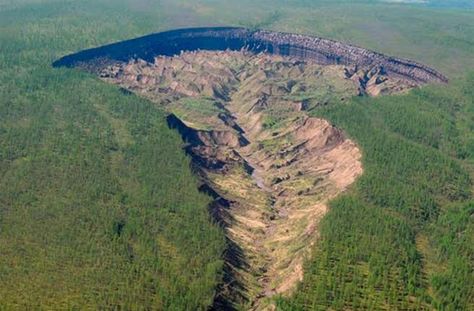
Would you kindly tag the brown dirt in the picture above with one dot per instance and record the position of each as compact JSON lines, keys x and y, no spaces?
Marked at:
{"x":275,"y":166}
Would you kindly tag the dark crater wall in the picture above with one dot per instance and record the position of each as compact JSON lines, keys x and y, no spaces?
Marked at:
{"x":321,"y":50}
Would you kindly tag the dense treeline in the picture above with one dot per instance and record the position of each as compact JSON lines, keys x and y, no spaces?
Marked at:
{"x":453,"y":241}
{"x":98,"y":206}
{"x":395,"y":241}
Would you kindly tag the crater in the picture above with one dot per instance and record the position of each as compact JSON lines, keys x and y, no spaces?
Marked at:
{"x":241,"y":100}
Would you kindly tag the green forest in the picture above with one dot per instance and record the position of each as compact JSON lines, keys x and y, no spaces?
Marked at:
{"x":403,"y":238}
{"x":100,"y":209}
{"x":98,"y":206}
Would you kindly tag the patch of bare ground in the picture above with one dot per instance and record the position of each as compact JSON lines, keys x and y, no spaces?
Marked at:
{"x":270,"y":166}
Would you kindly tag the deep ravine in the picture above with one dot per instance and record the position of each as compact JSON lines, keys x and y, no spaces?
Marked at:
{"x":271,"y":167}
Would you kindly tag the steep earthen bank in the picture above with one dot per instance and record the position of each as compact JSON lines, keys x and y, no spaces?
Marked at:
{"x":270,"y":167}
{"x":306,"y":47}
{"x":243,"y":111}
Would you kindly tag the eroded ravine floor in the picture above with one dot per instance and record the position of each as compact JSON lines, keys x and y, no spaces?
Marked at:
{"x":271,"y":167}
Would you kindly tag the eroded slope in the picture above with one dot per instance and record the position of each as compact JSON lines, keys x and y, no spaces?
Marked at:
{"x":311,"y":48}
{"x":271,"y":168}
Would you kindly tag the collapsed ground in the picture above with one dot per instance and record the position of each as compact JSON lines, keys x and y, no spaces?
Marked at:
{"x":270,"y":167}
{"x":50,"y":136}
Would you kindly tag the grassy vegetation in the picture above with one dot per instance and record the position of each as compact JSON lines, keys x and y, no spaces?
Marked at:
{"x":192,"y":110}
{"x":99,"y":210}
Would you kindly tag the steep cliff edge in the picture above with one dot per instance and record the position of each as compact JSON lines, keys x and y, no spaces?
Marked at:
{"x":306,"y":47}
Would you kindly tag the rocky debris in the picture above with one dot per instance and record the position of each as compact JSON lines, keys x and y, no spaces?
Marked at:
{"x":330,"y":52}
{"x":304,"y":47}
{"x":375,"y":81}
{"x":191,"y":75}
{"x":240,"y":99}
{"x":270,"y":167}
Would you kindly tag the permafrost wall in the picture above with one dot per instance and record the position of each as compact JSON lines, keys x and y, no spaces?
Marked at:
{"x":321,"y":50}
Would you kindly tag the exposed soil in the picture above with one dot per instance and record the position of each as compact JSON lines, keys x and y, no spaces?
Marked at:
{"x":304,"y":47}
{"x":270,"y":167}
{"x":242,"y":107}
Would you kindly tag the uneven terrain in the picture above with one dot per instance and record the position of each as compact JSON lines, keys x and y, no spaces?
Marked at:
{"x":270,"y":167}
{"x":242,"y":100}
{"x":320,"y":50}
{"x":98,"y":206}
